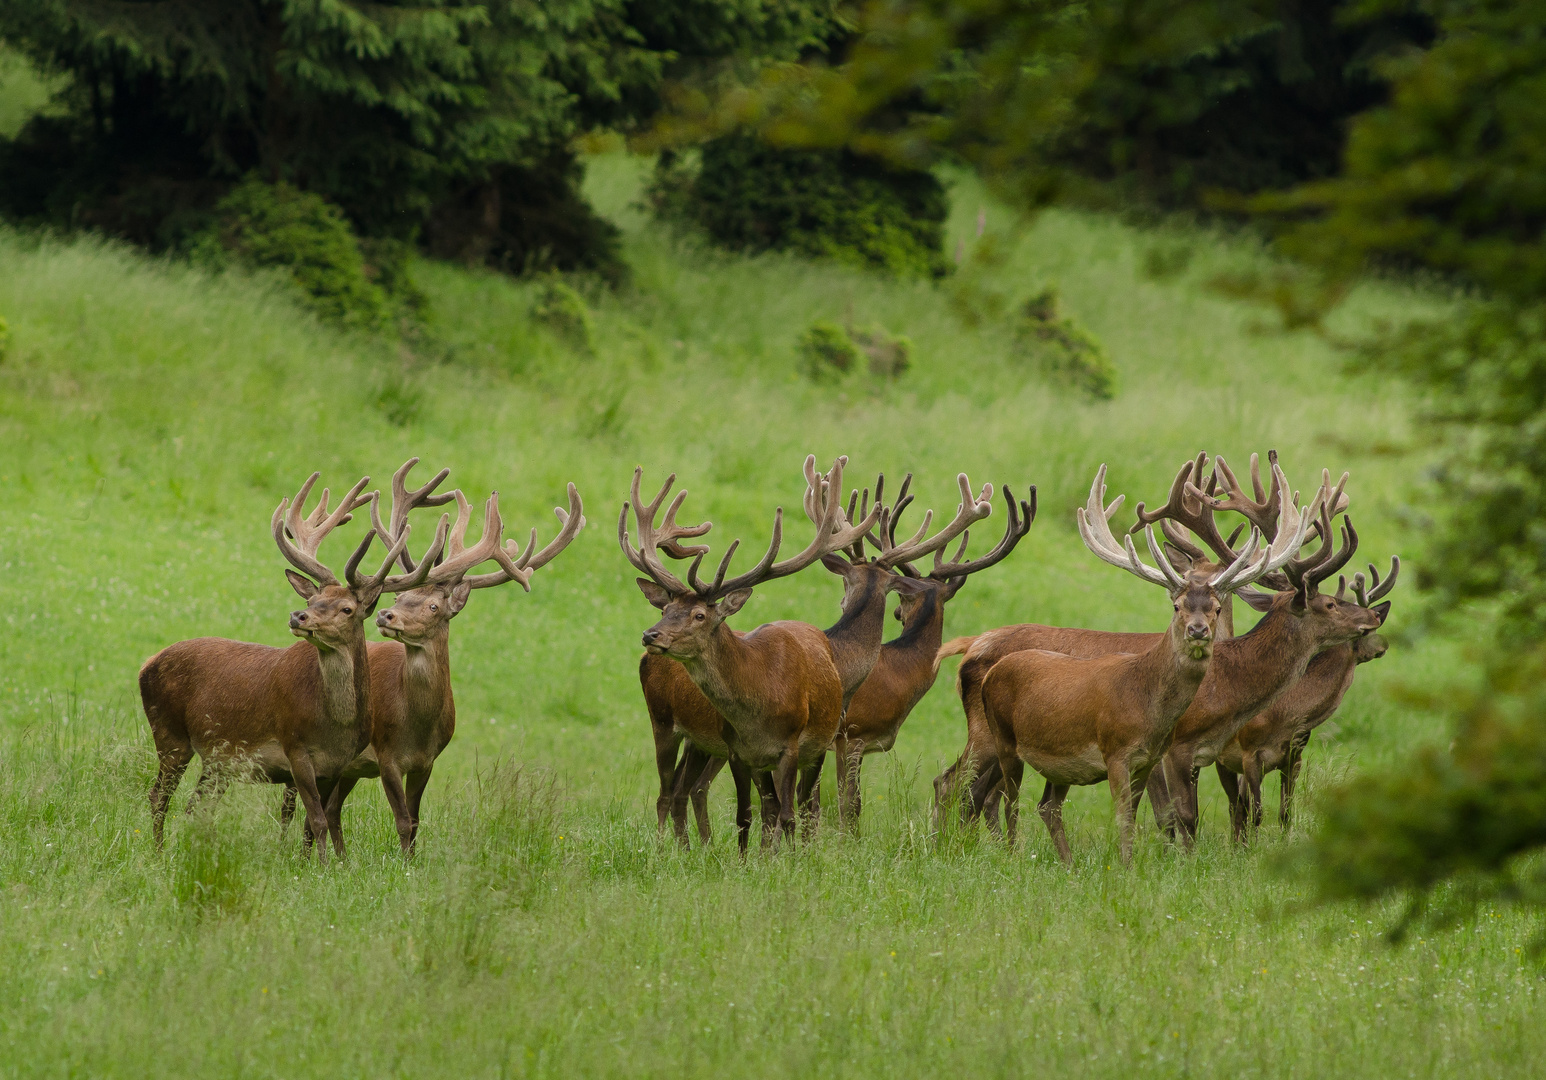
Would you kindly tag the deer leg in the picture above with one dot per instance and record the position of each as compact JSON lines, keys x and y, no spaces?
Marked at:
{"x":769,"y":805}
{"x":808,"y":797}
{"x":1158,"y":788}
{"x":1290,"y":780}
{"x":985,"y":790}
{"x":213,"y":777}
{"x":1013,"y":772}
{"x":666,"y":744}
{"x":743,"y":802}
{"x":1231,"y":785}
{"x":686,"y":773}
{"x":397,"y":799}
{"x":855,"y":791}
{"x":174,"y":762}
{"x":316,"y":812}
{"x":1182,"y":783}
{"x":785,"y":781}
{"x":700,"y":795}
{"x":286,"y":809}
{"x":1119,"y":777}
{"x":945,"y":785}
{"x":1051,"y":810}
{"x":1253,"y":778}
{"x":417,"y":782}
{"x":335,"y":813}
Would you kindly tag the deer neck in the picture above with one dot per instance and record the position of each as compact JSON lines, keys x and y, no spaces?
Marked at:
{"x":856,"y":636}
{"x":427,"y":674}
{"x":1170,"y":674}
{"x":921,"y":636}
{"x":1253,"y":668}
{"x":730,"y":674}
{"x":346,"y":682}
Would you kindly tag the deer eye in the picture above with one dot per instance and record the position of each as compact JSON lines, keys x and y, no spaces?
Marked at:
{"x":434,"y":607}
{"x":698,"y":615}
{"x":348,"y":611}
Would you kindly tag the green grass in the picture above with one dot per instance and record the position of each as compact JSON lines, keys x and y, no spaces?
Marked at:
{"x":152,"y":417}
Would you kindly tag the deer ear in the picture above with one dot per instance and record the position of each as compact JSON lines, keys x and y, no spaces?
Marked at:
{"x":1180,"y":560}
{"x":458,"y":598}
{"x":1301,"y":601}
{"x":1382,"y":611}
{"x":654,"y":593}
{"x":837,"y":564}
{"x":302,"y":584}
{"x":1256,"y":601}
{"x":733,"y":602}
{"x":907,"y":586}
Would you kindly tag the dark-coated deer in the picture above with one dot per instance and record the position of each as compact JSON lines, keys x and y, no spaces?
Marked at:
{"x":978,"y":763}
{"x":909,"y":663}
{"x":777,"y":687}
{"x":1079,"y":720}
{"x":1274,"y":740}
{"x":298,"y":715}
{"x":413,"y":711}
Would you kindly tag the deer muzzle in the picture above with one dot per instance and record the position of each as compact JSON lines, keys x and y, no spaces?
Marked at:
{"x":298,"y":624}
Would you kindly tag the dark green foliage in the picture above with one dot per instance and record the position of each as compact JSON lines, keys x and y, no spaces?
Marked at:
{"x":826,"y":350}
{"x":277,"y":226}
{"x":1449,"y":178}
{"x":1067,"y":351}
{"x":5,"y":338}
{"x":888,"y":354}
{"x":563,"y":311}
{"x":388,"y":110}
{"x":749,"y":196}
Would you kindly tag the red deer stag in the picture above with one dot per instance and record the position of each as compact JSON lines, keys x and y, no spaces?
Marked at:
{"x":1079,"y":720}
{"x":909,"y":663}
{"x":413,"y":711}
{"x":1298,"y":623}
{"x":678,"y":710}
{"x":298,"y":715}
{"x":1274,"y":740}
{"x":777,"y":687}
{"x":978,"y":763}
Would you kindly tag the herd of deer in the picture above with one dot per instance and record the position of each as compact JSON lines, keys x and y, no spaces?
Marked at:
{"x":1144,"y":712}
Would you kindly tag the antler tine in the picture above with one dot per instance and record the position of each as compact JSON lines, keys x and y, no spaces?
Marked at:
{"x":1094,"y":520}
{"x":519,"y":566}
{"x":417,"y":576}
{"x":404,"y":501}
{"x":1246,"y":569}
{"x":489,"y":546}
{"x":309,"y":532}
{"x":972,"y":508}
{"x":1378,"y":590}
{"x":1020,"y":518}
{"x":1188,"y":505}
{"x":643,"y":559}
{"x":1175,"y":580}
{"x":1263,"y":511}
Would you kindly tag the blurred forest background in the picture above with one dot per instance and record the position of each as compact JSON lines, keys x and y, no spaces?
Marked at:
{"x":333,"y":143}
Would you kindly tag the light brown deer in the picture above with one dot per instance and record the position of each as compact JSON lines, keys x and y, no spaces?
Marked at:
{"x":978,"y":764}
{"x":413,"y":710}
{"x":1298,"y":623}
{"x":777,"y":687}
{"x":1274,"y":740}
{"x":1079,"y":720}
{"x":296,"y":715}
{"x":679,"y":713}
{"x":909,"y":663}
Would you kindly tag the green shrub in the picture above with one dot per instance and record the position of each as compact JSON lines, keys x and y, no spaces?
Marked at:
{"x":281,"y":227}
{"x":821,"y":203}
{"x":564,"y":311}
{"x":1065,"y":349}
{"x":889,"y":355}
{"x":5,"y":337}
{"x":826,"y":349}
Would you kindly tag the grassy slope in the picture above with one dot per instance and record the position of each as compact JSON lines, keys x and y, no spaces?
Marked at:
{"x":150,"y":419}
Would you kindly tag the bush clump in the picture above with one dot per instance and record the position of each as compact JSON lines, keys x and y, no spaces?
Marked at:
{"x":564,"y":312}
{"x":889,"y":354}
{"x":835,"y":204}
{"x":276,"y":226}
{"x":827,"y":350}
{"x":1067,"y":350}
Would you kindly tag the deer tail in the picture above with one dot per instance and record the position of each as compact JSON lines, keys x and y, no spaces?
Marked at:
{"x":954,"y":647}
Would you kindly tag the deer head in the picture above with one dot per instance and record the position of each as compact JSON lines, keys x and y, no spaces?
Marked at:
{"x":335,"y":612}
{"x":1197,"y":589}
{"x":422,"y":615}
{"x":693,"y":611}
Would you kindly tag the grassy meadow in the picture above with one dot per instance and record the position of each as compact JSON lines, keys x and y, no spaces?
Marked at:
{"x":152,"y":417}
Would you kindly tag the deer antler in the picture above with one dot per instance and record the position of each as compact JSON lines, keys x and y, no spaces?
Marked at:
{"x":1264,"y":510}
{"x":404,"y":501}
{"x":570,"y":523}
{"x":1376,"y":590}
{"x":310,"y":531}
{"x":643,"y":558}
{"x":971,"y":508}
{"x":1020,"y":518}
{"x":459,"y":557}
{"x":1095,"y":528}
